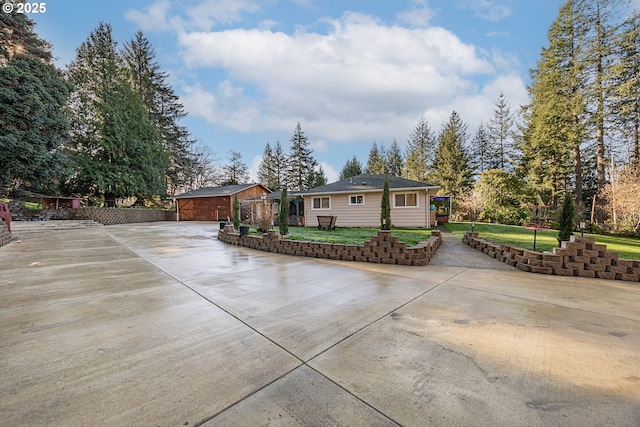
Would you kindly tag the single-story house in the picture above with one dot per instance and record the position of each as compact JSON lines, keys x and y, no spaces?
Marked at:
{"x":355,"y":202}
{"x":216,"y":203}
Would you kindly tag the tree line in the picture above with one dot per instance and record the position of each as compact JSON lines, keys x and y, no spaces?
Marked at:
{"x":107,"y":126}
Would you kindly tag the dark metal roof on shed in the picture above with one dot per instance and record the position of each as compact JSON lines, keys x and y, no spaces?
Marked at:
{"x":365,"y":183}
{"x":226,"y":190}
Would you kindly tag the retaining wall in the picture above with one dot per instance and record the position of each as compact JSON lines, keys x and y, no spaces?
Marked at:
{"x":581,"y":257}
{"x":111,"y":216}
{"x":383,"y":248}
{"x":5,"y":236}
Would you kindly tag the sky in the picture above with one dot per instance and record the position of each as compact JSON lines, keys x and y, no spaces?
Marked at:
{"x":351,"y":72}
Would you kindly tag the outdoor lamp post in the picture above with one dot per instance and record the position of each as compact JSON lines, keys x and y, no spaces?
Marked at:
{"x":473,"y":225}
{"x":582,"y":227}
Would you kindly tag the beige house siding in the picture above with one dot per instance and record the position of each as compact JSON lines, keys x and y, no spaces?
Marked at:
{"x":368,"y":215}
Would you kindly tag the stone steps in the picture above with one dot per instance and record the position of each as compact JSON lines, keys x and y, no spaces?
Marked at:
{"x":19,"y":228}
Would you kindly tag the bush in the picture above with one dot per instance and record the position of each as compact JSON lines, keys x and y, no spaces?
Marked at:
{"x":566,"y":220}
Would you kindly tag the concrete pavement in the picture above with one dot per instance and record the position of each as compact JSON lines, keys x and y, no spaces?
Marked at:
{"x":161,"y":324}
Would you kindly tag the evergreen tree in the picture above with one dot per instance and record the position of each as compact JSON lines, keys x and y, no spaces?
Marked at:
{"x":280,"y":166}
{"x":552,"y":144}
{"x":351,"y":168}
{"x":117,"y":149}
{"x":235,"y":204}
{"x":385,"y":207}
{"x":32,"y":98}
{"x":626,"y":79}
{"x":565,"y":221}
{"x":500,"y":133}
{"x":163,"y":106}
{"x":283,"y":215}
{"x":318,"y":177}
{"x":420,"y":151}
{"x":395,"y":160}
{"x":376,"y":164}
{"x":481,"y":159}
{"x":267,"y":169}
{"x":236,"y":171}
{"x":451,"y":167}
{"x":301,"y":164}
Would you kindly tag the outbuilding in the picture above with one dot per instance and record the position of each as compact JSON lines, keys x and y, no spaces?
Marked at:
{"x":216,"y":203}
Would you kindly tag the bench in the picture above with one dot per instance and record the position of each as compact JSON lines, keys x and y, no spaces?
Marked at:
{"x":326,"y":222}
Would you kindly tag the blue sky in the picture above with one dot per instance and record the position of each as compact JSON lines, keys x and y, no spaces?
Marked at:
{"x":350,"y":71}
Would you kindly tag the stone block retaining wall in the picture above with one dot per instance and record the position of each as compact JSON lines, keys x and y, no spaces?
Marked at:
{"x":383,"y":248}
{"x":5,"y":236}
{"x":581,"y":256}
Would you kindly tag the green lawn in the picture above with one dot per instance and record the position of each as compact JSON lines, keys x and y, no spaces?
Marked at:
{"x":355,"y":236}
{"x":628,"y":248}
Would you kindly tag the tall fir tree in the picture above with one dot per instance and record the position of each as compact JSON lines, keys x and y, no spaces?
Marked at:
{"x":626,"y":79}
{"x":267,"y":169}
{"x":480,"y":151}
{"x":163,"y":106}
{"x":500,"y":132}
{"x":33,"y":94}
{"x":376,"y":163}
{"x":302,"y":166}
{"x":556,"y":126}
{"x":451,"y":169}
{"x":235,"y":171}
{"x":385,"y":206}
{"x":351,"y":168}
{"x":395,"y":160}
{"x":117,"y":149}
{"x":420,"y":151}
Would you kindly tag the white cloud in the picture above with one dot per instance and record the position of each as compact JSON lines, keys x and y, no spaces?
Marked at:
{"x":188,"y":15}
{"x":363,"y":80}
{"x":491,"y":10}
{"x":419,"y":15}
{"x":329,"y":171}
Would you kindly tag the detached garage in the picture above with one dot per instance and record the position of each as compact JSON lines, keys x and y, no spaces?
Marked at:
{"x":216,"y":203}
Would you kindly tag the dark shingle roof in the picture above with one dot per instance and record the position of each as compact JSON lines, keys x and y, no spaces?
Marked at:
{"x":364,"y":183}
{"x":227,"y":190}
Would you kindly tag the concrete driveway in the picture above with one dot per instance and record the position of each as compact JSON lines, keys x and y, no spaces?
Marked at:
{"x":162,"y":325}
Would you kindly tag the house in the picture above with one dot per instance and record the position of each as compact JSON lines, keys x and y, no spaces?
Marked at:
{"x":356,"y":202}
{"x":216,"y":203}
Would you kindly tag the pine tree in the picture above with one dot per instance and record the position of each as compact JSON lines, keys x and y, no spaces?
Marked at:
{"x":626,"y":80}
{"x":567,"y":214}
{"x":301,"y":164}
{"x":451,"y":167}
{"x":235,"y":204}
{"x":420,"y":151}
{"x":117,"y":149}
{"x":318,"y":177}
{"x":283,"y":215}
{"x":351,"y":168}
{"x":280,"y":165}
{"x":33,"y":94}
{"x":481,"y":159}
{"x":235,"y":171}
{"x":385,"y":207}
{"x":395,"y":160}
{"x":500,"y":133}
{"x":552,"y":144}
{"x":376,"y":164}
{"x":267,"y":169}
{"x":163,"y":106}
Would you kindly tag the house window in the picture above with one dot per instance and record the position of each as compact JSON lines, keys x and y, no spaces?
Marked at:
{"x":321,"y":203}
{"x":405,"y":200}
{"x":356,"y":199}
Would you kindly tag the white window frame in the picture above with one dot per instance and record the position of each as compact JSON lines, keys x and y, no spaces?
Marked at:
{"x":356,"y":196}
{"x":313,"y":208}
{"x":417,"y":205}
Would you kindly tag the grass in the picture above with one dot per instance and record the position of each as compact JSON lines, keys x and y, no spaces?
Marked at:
{"x":354,"y":236}
{"x":546,"y":240}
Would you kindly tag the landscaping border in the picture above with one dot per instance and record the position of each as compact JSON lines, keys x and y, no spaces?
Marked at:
{"x":5,"y":235}
{"x":383,"y":248}
{"x":581,"y":257}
